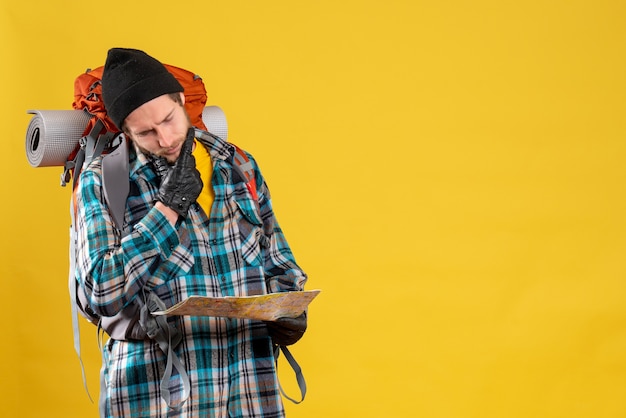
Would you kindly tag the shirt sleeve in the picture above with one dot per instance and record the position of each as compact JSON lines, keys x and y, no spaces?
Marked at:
{"x":113,"y":269}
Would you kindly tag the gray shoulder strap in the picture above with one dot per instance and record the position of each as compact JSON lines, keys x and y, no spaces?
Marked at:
{"x":296,"y":369}
{"x":115,"y":183}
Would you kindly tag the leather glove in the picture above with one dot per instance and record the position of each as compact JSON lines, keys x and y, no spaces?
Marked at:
{"x":182,"y":185}
{"x":287,"y":331}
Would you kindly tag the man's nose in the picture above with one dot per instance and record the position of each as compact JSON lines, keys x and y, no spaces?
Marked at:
{"x":166,"y":140}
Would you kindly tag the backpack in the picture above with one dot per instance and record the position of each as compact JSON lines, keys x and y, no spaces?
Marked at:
{"x":101,"y":138}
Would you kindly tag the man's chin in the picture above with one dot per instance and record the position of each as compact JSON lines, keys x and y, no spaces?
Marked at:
{"x":171,"y":158}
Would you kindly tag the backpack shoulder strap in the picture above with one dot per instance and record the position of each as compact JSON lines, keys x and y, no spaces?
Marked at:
{"x":115,"y":183}
{"x":244,"y":166}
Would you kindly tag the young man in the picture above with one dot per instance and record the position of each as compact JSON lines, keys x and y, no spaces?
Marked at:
{"x":191,"y":227}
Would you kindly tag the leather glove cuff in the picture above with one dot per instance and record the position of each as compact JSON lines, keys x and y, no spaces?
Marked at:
{"x":178,"y":202}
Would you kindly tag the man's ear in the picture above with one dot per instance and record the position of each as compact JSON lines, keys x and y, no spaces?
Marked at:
{"x":182,"y":98}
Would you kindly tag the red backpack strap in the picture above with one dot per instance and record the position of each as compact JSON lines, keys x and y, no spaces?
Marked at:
{"x":245,"y":166}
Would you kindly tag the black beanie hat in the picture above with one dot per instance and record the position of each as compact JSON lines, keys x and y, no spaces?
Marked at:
{"x":132,"y":78}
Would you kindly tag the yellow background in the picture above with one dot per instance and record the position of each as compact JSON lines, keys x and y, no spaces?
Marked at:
{"x":449,"y":173}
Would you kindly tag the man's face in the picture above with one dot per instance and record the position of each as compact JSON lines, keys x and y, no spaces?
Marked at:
{"x":159,"y":127}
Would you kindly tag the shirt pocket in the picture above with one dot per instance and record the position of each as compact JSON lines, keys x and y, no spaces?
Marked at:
{"x":250,"y":228}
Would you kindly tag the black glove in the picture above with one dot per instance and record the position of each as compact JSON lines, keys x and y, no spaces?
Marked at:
{"x":287,"y":331}
{"x":182,"y":185}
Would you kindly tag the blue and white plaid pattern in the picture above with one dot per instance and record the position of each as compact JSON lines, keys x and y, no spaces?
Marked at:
{"x":238,"y":251}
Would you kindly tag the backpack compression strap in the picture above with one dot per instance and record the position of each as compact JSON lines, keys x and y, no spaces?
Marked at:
{"x":91,"y":146}
{"x":296,"y":369}
{"x":167,"y":337}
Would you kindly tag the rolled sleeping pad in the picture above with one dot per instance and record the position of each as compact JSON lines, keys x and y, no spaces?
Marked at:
{"x":52,"y":135}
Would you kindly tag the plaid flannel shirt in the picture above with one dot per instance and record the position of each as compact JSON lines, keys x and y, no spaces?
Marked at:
{"x":239,"y":250}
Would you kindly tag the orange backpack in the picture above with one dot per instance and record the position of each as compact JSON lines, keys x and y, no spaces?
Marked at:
{"x":88,"y":96}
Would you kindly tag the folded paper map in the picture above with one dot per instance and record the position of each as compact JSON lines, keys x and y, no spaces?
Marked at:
{"x":263,"y":307}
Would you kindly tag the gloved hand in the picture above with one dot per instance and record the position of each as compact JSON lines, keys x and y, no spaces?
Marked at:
{"x":287,"y":331}
{"x":182,"y":185}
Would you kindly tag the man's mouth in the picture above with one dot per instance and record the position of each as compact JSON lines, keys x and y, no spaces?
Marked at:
{"x":172,"y":150}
